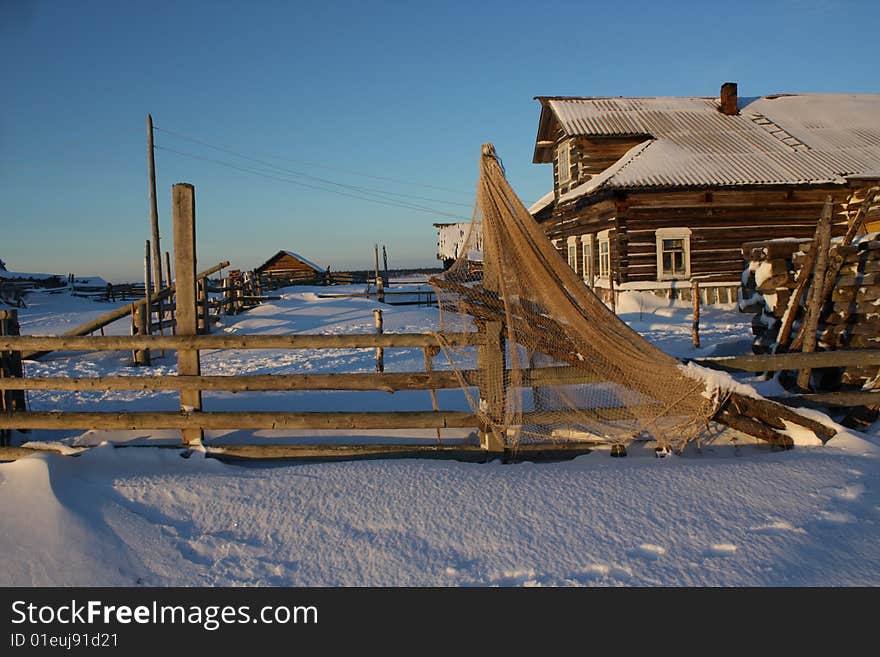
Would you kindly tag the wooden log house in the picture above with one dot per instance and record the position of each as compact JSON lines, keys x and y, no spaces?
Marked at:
{"x":290,"y":267}
{"x":651,"y":193}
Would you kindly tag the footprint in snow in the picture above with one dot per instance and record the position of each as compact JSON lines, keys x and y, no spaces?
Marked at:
{"x":777,"y":527}
{"x":649,"y":551}
{"x":721,"y":550}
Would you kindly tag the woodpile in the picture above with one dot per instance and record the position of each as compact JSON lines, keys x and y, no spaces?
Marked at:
{"x":819,"y":294}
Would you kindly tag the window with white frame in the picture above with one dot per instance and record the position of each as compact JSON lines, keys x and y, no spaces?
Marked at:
{"x":673,"y":253}
{"x":604,"y":254}
{"x":587,"y":247}
{"x":563,"y":162}
{"x":572,"y":253}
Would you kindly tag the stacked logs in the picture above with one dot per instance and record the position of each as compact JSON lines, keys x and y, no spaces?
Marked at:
{"x":767,"y":284}
{"x":851,"y":319}
{"x":848,"y":319}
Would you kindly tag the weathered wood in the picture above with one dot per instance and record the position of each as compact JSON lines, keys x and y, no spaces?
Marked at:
{"x":777,"y":415}
{"x":184,"y":213}
{"x":816,"y":299}
{"x":842,"y":399}
{"x":154,"y":213}
{"x":753,"y":428}
{"x":318,"y":452}
{"x":792,"y":361}
{"x":695,"y":328}
{"x":491,"y":364}
{"x":197,"y":421}
{"x":388,"y":381}
{"x":228,"y":341}
{"x":11,"y":399}
{"x":139,"y":325}
{"x":380,"y":352}
{"x":429,"y":353}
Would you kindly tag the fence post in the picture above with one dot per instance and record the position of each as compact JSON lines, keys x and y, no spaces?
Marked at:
{"x":490,"y":362}
{"x":184,"y":209}
{"x":380,"y":352}
{"x":10,"y":366}
{"x":201,"y":316}
{"x":148,"y":290}
{"x":139,"y":321}
{"x":695,"y":330}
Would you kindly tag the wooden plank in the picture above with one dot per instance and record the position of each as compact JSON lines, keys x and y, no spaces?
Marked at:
{"x":228,"y":341}
{"x":253,"y":420}
{"x":184,"y":214}
{"x":793,"y":361}
{"x":843,"y":399}
{"x":318,"y":452}
{"x":457,"y":452}
{"x":389,"y":382}
{"x":815,"y":300}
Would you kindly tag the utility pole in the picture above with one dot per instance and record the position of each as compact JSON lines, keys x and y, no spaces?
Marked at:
{"x":154,"y":210}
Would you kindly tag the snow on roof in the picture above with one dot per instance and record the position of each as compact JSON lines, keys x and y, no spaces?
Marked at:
{"x":311,"y":264}
{"x":16,"y":275}
{"x":542,"y":203}
{"x":306,"y":261}
{"x":787,"y":139}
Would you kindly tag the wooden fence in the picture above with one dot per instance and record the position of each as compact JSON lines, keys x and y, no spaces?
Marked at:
{"x":192,"y":385}
{"x":190,"y":420}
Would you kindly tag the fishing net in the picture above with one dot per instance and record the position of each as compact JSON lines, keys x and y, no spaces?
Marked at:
{"x":556,"y":364}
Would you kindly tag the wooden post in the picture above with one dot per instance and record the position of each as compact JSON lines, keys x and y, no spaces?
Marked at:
{"x":170,"y":278}
{"x":695,"y":330}
{"x":139,"y":321}
{"x":385,"y":262}
{"x":380,"y":352}
{"x":490,"y":354}
{"x":148,"y":286}
{"x":429,"y":353}
{"x":183,"y":203}
{"x":201,"y":314}
{"x":154,"y":210}
{"x":10,"y":366}
{"x":490,"y":362}
{"x":380,"y":288}
{"x":613,"y":292}
{"x":815,"y":299}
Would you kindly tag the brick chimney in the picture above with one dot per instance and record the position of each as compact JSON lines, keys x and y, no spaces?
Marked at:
{"x":728,"y":99}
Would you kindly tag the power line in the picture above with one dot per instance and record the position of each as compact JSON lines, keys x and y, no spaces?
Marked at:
{"x":324,"y":180}
{"x":272,"y":176}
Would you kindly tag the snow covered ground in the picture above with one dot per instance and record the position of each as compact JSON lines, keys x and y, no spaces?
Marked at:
{"x":728,"y":515}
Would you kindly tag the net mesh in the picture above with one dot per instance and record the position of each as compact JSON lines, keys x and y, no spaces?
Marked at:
{"x":557,"y":364}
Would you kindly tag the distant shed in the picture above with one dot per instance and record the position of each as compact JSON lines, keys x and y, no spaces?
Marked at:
{"x":288,"y":262}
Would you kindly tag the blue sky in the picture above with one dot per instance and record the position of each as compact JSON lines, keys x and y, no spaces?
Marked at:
{"x":395,"y":97}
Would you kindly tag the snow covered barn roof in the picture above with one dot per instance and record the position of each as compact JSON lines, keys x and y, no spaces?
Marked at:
{"x":287,"y":255}
{"x":688,"y":142}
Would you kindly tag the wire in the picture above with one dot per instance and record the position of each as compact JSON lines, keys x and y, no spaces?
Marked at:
{"x":324,"y":180}
{"x":264,"y":174}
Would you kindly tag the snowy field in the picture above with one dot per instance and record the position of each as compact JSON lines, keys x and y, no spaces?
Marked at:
{"x":727,"y":515}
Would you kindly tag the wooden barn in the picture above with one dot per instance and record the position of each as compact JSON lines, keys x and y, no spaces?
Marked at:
{"x":650,"y":193}
{"x":288,"y":262}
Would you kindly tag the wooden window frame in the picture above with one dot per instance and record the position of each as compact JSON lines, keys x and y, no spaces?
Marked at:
{"x":604,"y":239}
{"x":587,"y":251}
{"x":563,"y":173}
{"x":572,"y":253}
{"x":679,"y":233}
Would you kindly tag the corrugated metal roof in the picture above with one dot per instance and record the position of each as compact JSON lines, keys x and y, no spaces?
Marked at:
{"x":790,"y":139}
